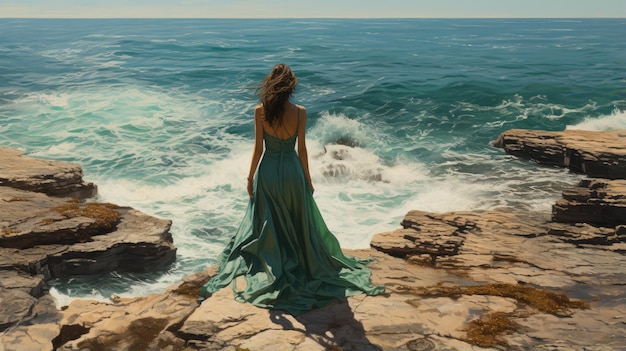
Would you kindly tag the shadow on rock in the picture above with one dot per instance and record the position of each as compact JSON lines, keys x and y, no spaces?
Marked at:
{"x":333,"y":327}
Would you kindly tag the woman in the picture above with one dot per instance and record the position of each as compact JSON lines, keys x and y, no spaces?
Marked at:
{"x":289,"y":258}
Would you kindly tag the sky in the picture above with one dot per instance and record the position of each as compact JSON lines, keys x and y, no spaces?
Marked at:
{"x":311,"y":8}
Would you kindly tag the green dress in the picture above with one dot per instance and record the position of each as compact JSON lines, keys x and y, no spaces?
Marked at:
{"x":290,"y":259}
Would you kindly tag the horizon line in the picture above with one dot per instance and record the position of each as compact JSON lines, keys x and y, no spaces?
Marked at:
{"x":329,"y":17}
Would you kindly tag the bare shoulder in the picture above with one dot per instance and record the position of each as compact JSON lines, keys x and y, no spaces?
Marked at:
{"x":259,"y":113}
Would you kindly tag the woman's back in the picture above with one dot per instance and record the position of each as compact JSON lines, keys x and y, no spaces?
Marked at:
{"x":285,"y":127}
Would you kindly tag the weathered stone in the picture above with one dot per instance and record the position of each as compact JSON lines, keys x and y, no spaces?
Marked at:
{"x":443,"y":236}
{"x":139,"y":243}
{"x":35,"y":337}
{"x":129,"y":324}
{"x":597,"y":154}
{"x":29,"y":219}
{"x":55,"y":178}
{"x":14,"y":279}
{"x":620,"y":232}
{"x":582,"y":233}
{"x":35,"y":330}
{"x":424,"y":238}
{"x":597,"y":201}
{"x":394,"y":243}
{"x":15,"y":305}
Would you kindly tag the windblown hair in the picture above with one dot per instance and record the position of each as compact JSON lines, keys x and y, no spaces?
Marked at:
{"x":275,"y":90}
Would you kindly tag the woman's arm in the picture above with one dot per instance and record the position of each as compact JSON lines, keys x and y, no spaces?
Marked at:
{"x":302,"y":152}
{"x":258,"y":146}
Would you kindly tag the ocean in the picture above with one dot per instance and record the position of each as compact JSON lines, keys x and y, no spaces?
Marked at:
{"x":158,"y":112}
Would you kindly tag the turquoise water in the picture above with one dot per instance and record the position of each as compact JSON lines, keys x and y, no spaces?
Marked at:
{"x":158,"y":114}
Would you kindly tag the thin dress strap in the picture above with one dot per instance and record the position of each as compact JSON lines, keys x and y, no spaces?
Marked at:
{"x":298,"y":125}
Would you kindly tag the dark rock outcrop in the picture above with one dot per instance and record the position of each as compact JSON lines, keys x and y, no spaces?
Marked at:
{"x":597,"y":201}
{"x":595,"y":209}
{"x":597,"y":154}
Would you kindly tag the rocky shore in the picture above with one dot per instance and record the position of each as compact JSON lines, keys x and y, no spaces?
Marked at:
{"x":476,"y":280}
{"x":48,"y":230}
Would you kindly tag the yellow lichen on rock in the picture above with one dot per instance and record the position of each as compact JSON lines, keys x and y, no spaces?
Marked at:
{"x":487,"y":331}
{"x":105,"y":214}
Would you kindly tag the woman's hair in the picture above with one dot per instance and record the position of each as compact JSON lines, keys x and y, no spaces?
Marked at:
{"x":275,"y":90}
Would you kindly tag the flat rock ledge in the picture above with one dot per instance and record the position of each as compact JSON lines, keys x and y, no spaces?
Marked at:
{"x":475,"y":280}
{"x":54,"y":178}
{"x":597,"y":154}
{"x":47,"y":231}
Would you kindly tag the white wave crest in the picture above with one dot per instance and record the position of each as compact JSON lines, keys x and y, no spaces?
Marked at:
{"x":616,"y":120}
{"x":332,"y":127}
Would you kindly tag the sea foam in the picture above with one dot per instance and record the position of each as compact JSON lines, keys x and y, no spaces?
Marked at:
{"x":616,"y":120}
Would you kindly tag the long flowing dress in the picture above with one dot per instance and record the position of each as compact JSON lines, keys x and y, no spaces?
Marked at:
{"x":290,"y":260}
